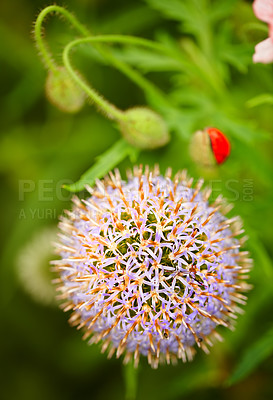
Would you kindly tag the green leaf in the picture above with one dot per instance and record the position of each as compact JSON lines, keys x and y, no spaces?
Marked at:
{"x":265,"y":98}
{"x":243,"y":130}
{"x":237,"y":55}
{"x":181,"y":121}
{"x":260,"y":254}
{"x":221,"y":10}
{"x":254,"y":356}
{"x":148,"y":61}
{"x":173,"y":9}
{"x":130,"y":20}
{"x":193,"y":11}
{"x":105,"y":162}
{"x":205,"y":68}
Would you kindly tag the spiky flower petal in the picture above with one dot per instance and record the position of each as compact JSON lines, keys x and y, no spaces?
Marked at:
{"x":149,"y":267}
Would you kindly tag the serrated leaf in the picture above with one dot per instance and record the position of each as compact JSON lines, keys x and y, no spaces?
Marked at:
{"x":205,"y":68}
{"x":105,"y":162}
{"x":239,"y":56}
{"x":192,"y":11}
{"x":254,"y":356}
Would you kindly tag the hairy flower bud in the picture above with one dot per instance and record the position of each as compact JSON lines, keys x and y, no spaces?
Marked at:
{"x":209,"y":147}
{"x":149,"y":267}
{"x":144,"y":128}
{"x":63,"y":92}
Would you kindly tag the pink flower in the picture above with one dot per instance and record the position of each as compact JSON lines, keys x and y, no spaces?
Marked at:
{"x":263,"y":9}
{"x":264,"y":52}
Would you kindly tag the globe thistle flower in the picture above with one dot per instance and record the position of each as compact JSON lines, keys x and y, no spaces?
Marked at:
{"x":149,"y":267}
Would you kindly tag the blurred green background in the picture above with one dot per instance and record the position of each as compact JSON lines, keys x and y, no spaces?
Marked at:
{"x":208,"y":79}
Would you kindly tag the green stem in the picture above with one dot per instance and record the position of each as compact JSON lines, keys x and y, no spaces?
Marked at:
{"x":142,"y":82}
{"x":133,"y":40}
{"x":38,"y":35}
{"x":147,"y":86}
{"x":126,"y":69}
{"x":110,"y":110}
{"x":130,"y":374}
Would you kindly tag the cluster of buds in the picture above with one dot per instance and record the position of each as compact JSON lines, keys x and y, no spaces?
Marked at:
{"x":150,"y":267}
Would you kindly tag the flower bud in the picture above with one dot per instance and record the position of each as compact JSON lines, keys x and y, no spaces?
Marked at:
{"x":209,"y":147}
{"x":63,"y":92}
{"x":144,"y":128}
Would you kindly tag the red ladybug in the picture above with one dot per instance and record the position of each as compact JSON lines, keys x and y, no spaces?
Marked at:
{"x":219,"y":143}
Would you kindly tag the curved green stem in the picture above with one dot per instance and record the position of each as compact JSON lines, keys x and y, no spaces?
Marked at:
{"x":38,"y":35}
{"x":138,"y":41}
{"x":132,"y":74}
{"x":110,"y":110}
{"x":48,"y":59}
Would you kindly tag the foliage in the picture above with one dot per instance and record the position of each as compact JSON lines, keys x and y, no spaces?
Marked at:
{"x":196,"y":72}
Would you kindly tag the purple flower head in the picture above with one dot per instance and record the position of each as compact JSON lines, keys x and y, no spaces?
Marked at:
{"x":150,"y":267}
